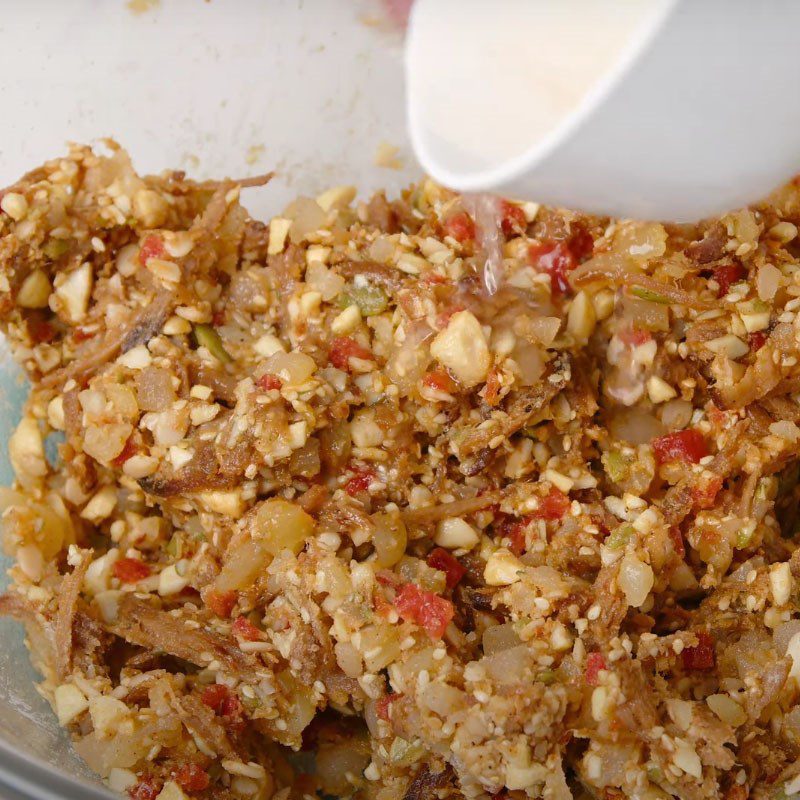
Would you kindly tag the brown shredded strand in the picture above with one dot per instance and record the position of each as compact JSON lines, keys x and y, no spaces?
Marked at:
{"x":69,"y":594}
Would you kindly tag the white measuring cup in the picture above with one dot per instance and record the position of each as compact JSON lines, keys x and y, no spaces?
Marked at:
{"x":661,"y":109}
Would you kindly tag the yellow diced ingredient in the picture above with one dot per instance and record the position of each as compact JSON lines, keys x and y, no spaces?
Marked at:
{"x":35,"y":291}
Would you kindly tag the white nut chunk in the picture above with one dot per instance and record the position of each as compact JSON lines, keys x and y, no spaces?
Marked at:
{"x":454,"y":533}
{"x":26,"y":451}
{"x":71,"y":297}
{"x":780,"y":582}
{"x":70,"y":701}
{"x":502,"y":568}
{"x":462,"y":348}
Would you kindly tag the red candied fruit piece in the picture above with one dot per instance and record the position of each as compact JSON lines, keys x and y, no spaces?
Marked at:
{"x":426,"y":609}
{"x":701,"y":656}
{"x":192,"y":777}
{"x":152,"y":247}
{"x":726,"y":276}
{"x":360,"y":482}
{"x":343,"y":348}
{"x":581,"y":244}
{"x":269,"y":381}
{"x":492,"y":393}
{"x":460,"y":226}
{"x":440,"y":381}
{"x":594,"y":664}
{"x":41,"y":330}
{"x":513,"y":529}
{"x":148,"y":788}
{"x":513,"y":219}
{"x":446,"y":562}
{"x":687,"y":445}
{"x":130,"y":570}
{"x":223,"y":702}
{"x":705,"y":492}
{"x":557,"y":260}
{"x":242,"y":628}
{"x":553,"y":505}
{"x":221,"y":603}
{"x":129,"y":449}
{"x":384,"y":704}
{"x":757,"y":340}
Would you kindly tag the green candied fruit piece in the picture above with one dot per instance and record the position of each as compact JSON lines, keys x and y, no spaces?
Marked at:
{"x":648,"y":294}
{"x":620,"y":536}
{"x":175,"y":546}
{"x":55,"y":248}
{"x":207,"y":337}
{"x":547,"y":677}
{"x":744,"y":536}
{"x":371,"y":300}
{"x":616,"y":464}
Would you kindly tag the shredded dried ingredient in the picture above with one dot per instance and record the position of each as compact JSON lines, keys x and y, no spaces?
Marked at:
{"x":319,"y":490}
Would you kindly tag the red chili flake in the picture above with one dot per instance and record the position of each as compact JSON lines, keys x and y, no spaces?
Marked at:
{"x":41,"y":330}
{"x":192,"y":777}
{"x":360,"y":481}
{"x":269,"y":381}
{"x":677,"y":542}
{"x":130,"y":448}
{"x":446,"y":562}
{"x":148,"y":788}
{"x":130,"y":570}
{"x":702,"y":655}
{"x":757,"y":340}
{"x":594,"y":664}
{"x":221,"y":603}
{"x":581,"y":244}
{"x":516,"y":536}
{"x":151,"y":247}
{"x":726,"y":276}
{"x":460,"y":226}
{"x":553,"y":505}
{"x":634,"y":337}
{"x":242,"y":628}
{"x":440,"y":381}
{"x":380,"y":605}
{"x":426,"y":609}
{"x":687,"y":445}
{"x":384,"y":704}
{"x":514,"y":220}
{"x":705,"y":492}
{"x":223,"y":702}
{"x":218,"y":318}
{"x":555,"y":258}
{"x":80,"y":334}
{"x":343,"y":348}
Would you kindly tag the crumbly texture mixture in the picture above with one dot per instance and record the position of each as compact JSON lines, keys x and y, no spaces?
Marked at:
{"x":318,"y":492}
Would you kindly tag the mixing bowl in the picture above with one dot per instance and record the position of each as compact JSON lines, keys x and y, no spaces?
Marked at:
{"x":312,"y":90}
